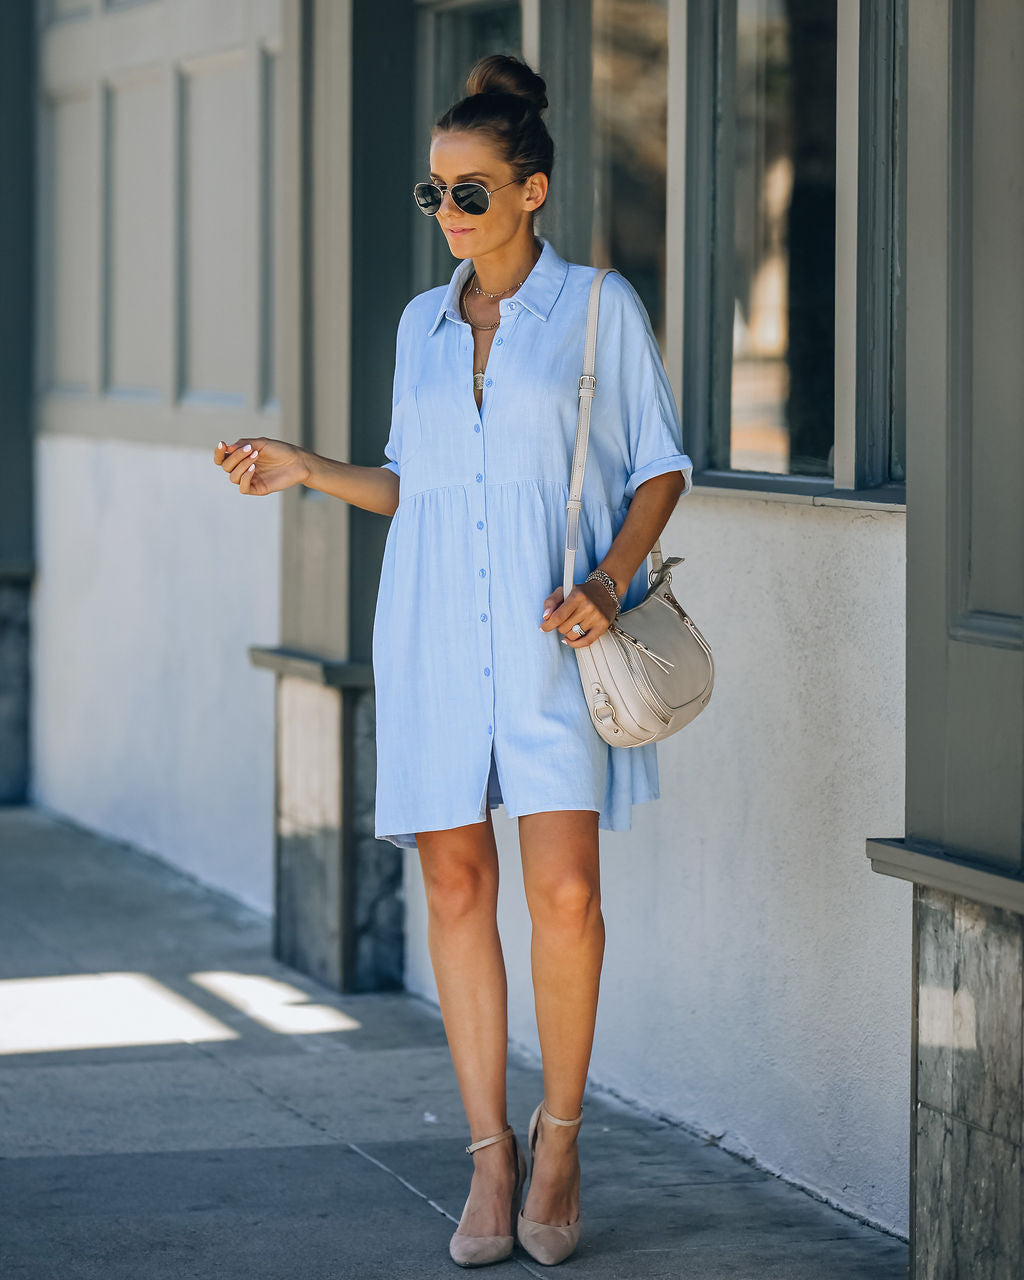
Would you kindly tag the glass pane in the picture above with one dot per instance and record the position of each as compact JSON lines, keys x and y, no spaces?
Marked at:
{"x":629,"y":131}
{"x":783,"y":236}
{"x":460,"y":37}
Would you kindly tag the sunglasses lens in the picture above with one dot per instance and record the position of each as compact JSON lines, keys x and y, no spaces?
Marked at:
{"x":428,"y":197}
{"x":471,"y":197}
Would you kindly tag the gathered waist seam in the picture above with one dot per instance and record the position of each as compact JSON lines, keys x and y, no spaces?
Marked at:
{"x":505,"y":484}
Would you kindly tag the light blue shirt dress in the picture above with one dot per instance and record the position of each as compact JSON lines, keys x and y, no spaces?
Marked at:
{"x":476,"y":705}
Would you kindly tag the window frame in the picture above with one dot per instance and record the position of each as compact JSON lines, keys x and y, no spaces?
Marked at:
{"x":869,"y":407}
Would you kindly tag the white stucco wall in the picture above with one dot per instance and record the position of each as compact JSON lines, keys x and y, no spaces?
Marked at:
{"x":757,"y":972}
{"x":148,"y":721}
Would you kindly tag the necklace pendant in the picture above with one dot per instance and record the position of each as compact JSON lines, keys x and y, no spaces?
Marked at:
{"x":478,"y":381}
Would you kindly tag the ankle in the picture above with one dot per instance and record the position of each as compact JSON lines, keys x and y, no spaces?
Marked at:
{"x":495,"y":1160}
{"x":557,"y":1138}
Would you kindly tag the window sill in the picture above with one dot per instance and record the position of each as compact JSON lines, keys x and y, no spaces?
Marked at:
{"x":818,"y":493}
{"x":314,"y":667}
{"x":929,"y":864}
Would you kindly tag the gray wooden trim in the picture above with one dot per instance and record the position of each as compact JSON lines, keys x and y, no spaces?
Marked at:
{"x":801,"y":486}
{"x":675,"y":198}
{"x":294,"y":176}
{"x":799,"y":489}
{"x":960,"y":351}
{"x":698,"y":230}
{"x":930,"y":864}
{"x":926,"y":654}
{"x":848,"y":137}
{"x":314,"y":667}
{"x":980,"y":626}
{"x":17,"y":278}
{"x":383,"y":52}
{"x":977,"y":626}
{"x":14,"y":571}
{"x":880,"y":232}
{"x":722,"y":187}
{"x":726,"y":484}
{"x":300,"y":216}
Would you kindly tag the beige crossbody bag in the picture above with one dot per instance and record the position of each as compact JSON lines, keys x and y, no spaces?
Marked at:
{"x":651,"y":672}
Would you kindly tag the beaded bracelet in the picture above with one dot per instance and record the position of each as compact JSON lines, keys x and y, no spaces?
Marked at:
{"x":608,"y":583}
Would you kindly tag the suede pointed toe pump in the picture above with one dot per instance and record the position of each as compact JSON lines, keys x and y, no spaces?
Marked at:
{"x":480,"y":1251}
{"x":547,"y":1242}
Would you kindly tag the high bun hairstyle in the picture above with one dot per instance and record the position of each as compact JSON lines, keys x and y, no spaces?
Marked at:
{"x":504,"y":99}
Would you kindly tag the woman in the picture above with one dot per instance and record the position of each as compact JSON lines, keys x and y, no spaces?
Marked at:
{"x":478,"y":698}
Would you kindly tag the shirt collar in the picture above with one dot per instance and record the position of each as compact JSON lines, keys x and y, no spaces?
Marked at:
{"x":537,"y":292}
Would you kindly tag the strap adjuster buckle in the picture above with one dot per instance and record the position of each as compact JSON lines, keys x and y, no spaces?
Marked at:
{"x":588,"y":382}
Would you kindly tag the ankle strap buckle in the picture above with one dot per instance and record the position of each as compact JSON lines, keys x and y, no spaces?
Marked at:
{"x":486,"y":1142}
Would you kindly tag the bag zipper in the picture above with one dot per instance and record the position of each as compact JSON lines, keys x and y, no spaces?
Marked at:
{"x":644,"y":686}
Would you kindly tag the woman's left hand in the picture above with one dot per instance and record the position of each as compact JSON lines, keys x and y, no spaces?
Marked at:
{"x":589,"y":604}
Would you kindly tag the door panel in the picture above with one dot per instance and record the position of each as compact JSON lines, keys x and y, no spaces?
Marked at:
{"x":965,"y":399}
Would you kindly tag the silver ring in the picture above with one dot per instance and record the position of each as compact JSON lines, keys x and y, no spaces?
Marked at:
{"x":577,"y":630}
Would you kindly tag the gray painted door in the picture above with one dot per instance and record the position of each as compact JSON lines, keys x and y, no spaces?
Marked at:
{"x":965,"y":443}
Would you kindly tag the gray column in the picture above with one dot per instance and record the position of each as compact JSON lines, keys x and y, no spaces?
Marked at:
{"x":347,"y":89}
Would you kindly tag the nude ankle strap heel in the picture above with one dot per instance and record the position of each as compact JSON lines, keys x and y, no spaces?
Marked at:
{"x":480,"y":1251}
{"x":546,"y":1242}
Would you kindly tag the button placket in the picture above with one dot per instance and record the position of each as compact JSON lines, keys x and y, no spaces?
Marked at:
{"x":477,"y":490}
{"x":477,"y":494}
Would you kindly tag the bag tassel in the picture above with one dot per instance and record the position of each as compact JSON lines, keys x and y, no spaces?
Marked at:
{"x":638,"y":644}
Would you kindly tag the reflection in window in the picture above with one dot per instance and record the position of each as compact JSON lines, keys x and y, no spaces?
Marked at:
{"x":630,"y":118}
{"x":458,"y":36}
{"x":782,"y":177}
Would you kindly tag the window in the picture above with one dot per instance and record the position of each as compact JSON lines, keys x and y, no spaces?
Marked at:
{"x":740,"y":162}
{"x":792,"y":201}
{"x":450,"y":39}
{"x":629,"y":127}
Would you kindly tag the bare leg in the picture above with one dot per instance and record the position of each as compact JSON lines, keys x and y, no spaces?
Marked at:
{"x":460,"y":870}
{"x":561,"y":872}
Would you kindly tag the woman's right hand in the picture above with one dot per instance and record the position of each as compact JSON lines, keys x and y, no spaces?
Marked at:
{"x":261,"y":466}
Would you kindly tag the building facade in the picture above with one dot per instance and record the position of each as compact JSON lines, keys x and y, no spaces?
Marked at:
{"x":217,"y":239}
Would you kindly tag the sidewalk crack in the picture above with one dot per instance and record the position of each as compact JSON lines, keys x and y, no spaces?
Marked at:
{"x":423,"y":1196}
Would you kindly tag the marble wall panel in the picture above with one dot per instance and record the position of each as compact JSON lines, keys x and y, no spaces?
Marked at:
{"x":967,"y":1194}
{"x":987,"y":1007}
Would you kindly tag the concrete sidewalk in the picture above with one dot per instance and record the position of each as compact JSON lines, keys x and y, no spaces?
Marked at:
{"x":174,"y":1103}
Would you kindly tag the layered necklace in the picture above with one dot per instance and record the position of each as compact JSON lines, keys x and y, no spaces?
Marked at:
{"x":478,"y":374}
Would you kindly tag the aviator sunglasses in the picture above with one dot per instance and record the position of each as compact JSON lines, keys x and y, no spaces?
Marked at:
{"x":470,"y":197}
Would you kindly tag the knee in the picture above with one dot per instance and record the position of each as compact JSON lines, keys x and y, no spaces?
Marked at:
{"x":569,"y":903}
{"x":457,"y":890}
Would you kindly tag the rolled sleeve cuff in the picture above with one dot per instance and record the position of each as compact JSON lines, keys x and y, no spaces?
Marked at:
{"x":390,"y":466}
{"x":660,"y":467}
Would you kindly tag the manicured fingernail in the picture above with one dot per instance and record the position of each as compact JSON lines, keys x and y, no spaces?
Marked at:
{"x":252,"y":466}
{"x":247,"y":448}
{"x":546,"y":612}
{"x":220,"y":444}
{"x":564,"y":641}
{"x":256,"y":453}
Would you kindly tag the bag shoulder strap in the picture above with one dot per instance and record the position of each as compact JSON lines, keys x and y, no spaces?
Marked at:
{"x":588,"y":388}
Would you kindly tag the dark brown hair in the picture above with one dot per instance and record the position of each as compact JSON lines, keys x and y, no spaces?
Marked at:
{"x":504,"y":99}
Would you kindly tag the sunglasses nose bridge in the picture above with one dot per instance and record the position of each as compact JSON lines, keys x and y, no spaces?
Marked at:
{"x":446,"y":194}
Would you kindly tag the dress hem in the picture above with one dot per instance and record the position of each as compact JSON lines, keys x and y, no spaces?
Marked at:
{"x":407,"y":840}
